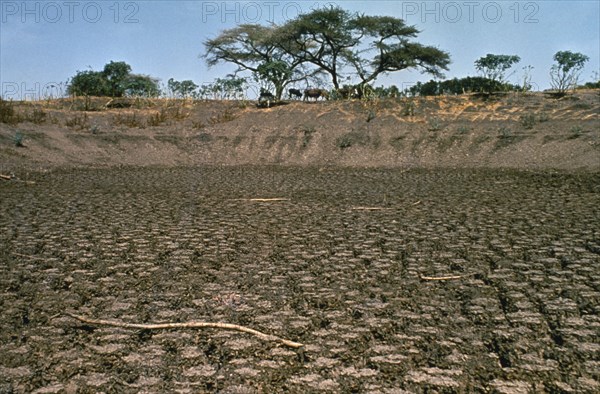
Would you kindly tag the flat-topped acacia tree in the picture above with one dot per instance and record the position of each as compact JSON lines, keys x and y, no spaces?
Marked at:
{"x":329,"y":41}
{"x":256,"y":49}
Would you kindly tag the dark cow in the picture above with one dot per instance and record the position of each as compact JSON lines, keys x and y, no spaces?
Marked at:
{"x":295,"y":92}
{"x":265,"y":96}
{"x":316,"y":93}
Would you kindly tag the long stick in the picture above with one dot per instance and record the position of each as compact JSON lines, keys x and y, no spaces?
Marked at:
{"x":161,"y":326}
{"x":444,"y":277}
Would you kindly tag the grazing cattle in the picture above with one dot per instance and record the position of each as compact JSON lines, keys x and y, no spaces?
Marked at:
{"x":295,"y":92}
{"x":265,"y":96}
{"x":316,"y":93}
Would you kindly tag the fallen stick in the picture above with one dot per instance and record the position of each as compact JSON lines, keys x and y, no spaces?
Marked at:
{"x":451,"y":277}
{"x":261,"y":199}
{"x":370,"y":209}
{"x":268,"y":199}
{"x":29,"y":256}
{"x":6,"y":177}
{"x":161,"y":326}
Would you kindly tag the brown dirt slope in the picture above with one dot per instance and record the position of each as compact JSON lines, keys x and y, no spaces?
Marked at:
{"x":522,"y":131}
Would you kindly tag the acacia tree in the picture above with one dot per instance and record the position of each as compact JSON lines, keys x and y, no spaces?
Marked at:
{"x":328,"y":41}
{"x":565,"y":73}
{"x":342,"y":43}
{"x":256,"y":49}
{"x":494,"y":67}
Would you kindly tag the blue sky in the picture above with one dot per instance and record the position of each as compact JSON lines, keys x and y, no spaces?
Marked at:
{"x":46,"y":42}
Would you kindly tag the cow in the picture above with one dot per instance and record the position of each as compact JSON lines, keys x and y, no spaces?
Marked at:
{"x":295,"y":93}
{"x":267,"y":96}
{"x":347,"y":92}
{"x":316,"y":93}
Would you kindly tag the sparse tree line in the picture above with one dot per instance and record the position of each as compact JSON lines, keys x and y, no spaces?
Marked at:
{"x":328,"y":47}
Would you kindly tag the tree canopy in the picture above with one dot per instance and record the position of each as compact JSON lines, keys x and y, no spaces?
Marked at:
{"x":115,"y":80}
{"x":328,"y":41}
{"x":564,"y":74}
{"x":494,"y":67}
{"x":256,"y":49}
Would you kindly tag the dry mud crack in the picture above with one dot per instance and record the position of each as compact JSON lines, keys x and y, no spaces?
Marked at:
{"x":518,"y":314}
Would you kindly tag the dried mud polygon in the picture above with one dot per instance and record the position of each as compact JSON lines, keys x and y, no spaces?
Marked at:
{"x":337,"y":265}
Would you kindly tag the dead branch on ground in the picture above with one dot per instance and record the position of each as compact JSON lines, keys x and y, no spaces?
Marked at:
{"x":451,"y":277}
{"x":162,"y":326}
{"x":370,"y":209}
{"x":262,"y":199}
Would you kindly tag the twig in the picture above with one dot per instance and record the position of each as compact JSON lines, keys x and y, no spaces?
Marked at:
{"x":370,"y":209}
{"x":6,"y":177}
{"x":161,"y":326}
{"x":416,"y":203}
{"x":262,"y":199}
{"x":451,"y":277}
{"x":29,"y":256}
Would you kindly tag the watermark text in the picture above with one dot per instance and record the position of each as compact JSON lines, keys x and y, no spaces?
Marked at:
{"x":68,"y":11}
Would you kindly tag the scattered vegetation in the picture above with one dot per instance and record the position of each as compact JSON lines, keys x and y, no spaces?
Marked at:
{"x":157,"y":118}
{"x":434,"y":124}
{"x":528,"y":120}
{"x":37,"y":116}
{"x":79,"y":122}
{"x":576,"y":132}
{"x":132,"y":120}
{"x":564,"y":74}
{"x":307,"y":134}
{"x":225,"y":116}
{"x":352,"y":138}
{"x":7,"y":112}
{"x":18,"y":139}
{"x":507,"y":137}
{"x":409,"y":108}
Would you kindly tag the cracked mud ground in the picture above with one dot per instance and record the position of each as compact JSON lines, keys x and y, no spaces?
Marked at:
{"x":173,"y":245}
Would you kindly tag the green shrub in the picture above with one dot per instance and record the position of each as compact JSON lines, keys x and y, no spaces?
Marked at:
{"x":225,"y":116}
{"x":129,"y":120}
{"x":157,"y":118}
{"x":80,"y":122}
{"x":576,"y":132}
{"x":18,"y":139}
{"x":355,"y":137}
{"x":38,"y":116}
{"x":528,"y":121}
{"x":7,"y":112}
{"x":434,"y":124}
